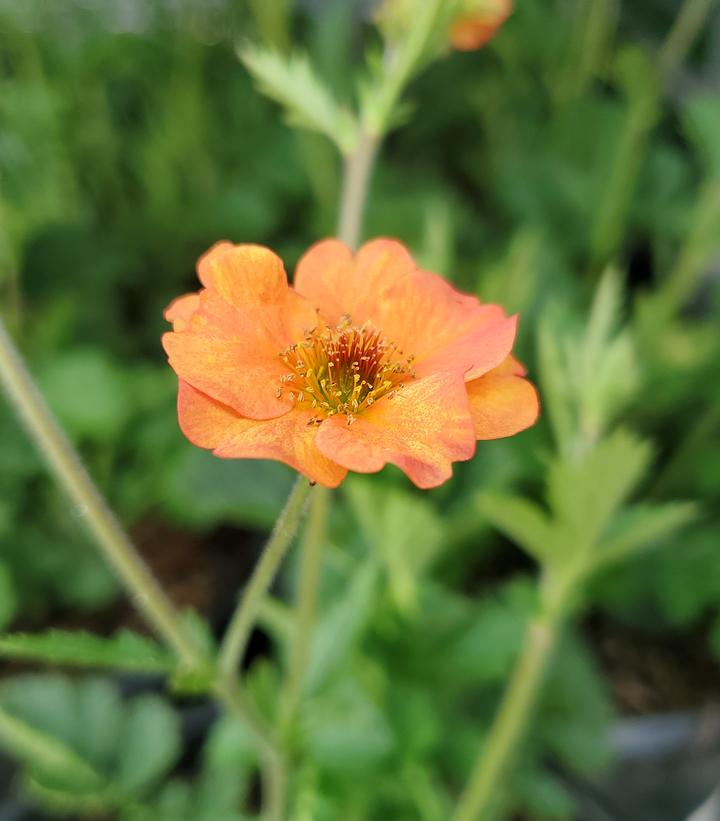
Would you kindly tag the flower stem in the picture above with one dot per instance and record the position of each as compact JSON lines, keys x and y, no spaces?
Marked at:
{"x":681,"y":37}
{"x":241,"y":623}
{"x":478,"y":802}
{"x":145,"y":592}
{"x":356,"y":176}
{"x":310,"y":566}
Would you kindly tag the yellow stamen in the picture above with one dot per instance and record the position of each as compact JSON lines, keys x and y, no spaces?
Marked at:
{"x":343,"y":370}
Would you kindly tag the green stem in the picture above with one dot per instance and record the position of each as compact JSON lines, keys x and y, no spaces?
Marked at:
{"x":686,"y":28}
{"x":310,"y":566}
{"x":63,"y":461}
{"x":356,"y":177}
{"x":145,"y":593}
{"x":478,"y":802}
{"x":697,"y":249}
{"x":241,"y":623}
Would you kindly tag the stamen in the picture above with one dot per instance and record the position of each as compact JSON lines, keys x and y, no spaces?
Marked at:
{"x":343,"y":370}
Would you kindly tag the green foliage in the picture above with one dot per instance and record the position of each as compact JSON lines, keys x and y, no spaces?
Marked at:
{"x":124,"y":651}
{"x":543,"y":172}
{"x":84,"y":749}
{"x":308,"y":103}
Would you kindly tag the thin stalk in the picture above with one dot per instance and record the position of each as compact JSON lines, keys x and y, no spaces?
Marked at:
{"x":356,"y":176}
{"x":310,"y":567}
{"x":63,"y":461}
{"x":479,"y":801}
{"x":696,"y":251}
{"x":687,"y":26}
{"x":241,"y":623}
{"x":142,"y":587}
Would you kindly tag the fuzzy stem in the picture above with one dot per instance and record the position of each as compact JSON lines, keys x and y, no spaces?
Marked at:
{"x":478,"y":802}
{"x":681,"y":37}
{"x":356,"y":177}
{"x":145,"y":592}
{"x":310,"y":566}
{"x":241,"y":623}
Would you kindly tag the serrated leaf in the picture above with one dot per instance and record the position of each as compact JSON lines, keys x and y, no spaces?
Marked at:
{"x":640,"y":526}
{"x":308,"y":103}
{"x":124,"y":651}
{"x":584,"y":493}
{"x":523,"y":522}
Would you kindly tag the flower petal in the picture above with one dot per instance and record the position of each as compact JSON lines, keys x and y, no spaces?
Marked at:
{"x":229,"y":370}
{"x":289,"y":438}
{"x":339,"y":284}
{"x":423,"y":429}
{"x":181,"y":310}
{"x":228,"y":347}
{"x":442,"y":328}
{"x":502,"y":405}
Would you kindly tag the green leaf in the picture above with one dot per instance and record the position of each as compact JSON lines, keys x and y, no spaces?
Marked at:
{"x":45,"y":753}
{"x":149,"y":745}
{"x":202,"y":490}
{"x":88,"y":391}
{"x":308,"y":103}
{"x":585,"y":493}
{"x":523,"y":522}
{"x":123,"y":748}
{"x":344,"y":731}
{"x":341,"y":625}
{"x":701,"y":120}
{"x":641,"y":526}
{"x":405,"y":532}
{"x":124,"y":651}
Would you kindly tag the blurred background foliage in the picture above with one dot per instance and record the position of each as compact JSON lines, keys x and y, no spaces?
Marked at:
{"x":131,"y":139}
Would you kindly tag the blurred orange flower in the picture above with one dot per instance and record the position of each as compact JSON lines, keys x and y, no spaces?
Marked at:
{"x":367,"y":360}
{"x":471,"y":30}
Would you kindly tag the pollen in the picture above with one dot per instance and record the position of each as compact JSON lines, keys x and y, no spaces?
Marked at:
{"x":343,"y":370}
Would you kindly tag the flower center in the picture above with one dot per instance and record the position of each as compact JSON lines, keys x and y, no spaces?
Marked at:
{"x":343,"y":370}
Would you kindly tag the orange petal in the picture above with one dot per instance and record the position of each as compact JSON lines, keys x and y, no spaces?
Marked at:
{"x":181,"y":310}
{"x":443,"y":328}
{"x":423,"y":429}
{"x":502,"y":405}
{"x":339,"y":284}
{"x":289,"y":439}
{"x":228,"y":347}
{"x":509,"y":367}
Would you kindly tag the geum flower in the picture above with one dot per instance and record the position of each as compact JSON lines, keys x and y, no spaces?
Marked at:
{"x":367,"y":360}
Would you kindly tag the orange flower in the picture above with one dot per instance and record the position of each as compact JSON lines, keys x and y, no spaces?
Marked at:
{"x":472,"y":30}
{"x":367,"y":360}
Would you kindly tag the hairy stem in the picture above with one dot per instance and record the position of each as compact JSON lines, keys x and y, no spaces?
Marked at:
{"x":310,"y":566}
{"x":243,"y":619}
{"x":681,"y":37}
{"x":356,"y":177}
{"x":479,"y":801}
{"x":142,"y":587}
{"x":64,"y":462}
